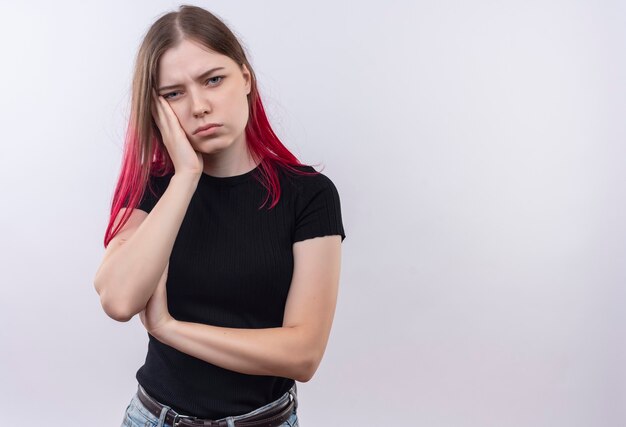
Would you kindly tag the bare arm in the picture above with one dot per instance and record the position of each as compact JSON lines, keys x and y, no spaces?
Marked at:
{"x":135,"y":260}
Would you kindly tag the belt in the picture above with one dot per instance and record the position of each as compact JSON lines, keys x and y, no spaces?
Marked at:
{"x":269,"y":418}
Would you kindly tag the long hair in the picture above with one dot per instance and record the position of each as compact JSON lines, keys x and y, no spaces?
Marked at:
{"x":144,"y":152}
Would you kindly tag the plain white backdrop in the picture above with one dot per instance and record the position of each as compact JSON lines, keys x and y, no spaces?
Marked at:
{"x":478,"y":148}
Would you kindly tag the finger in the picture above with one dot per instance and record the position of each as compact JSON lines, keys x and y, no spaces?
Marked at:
{"x":171,"y":119}
{"x":165,"y":112}
{"x":157,"y":110}
{"x":155,"y":101}
{"x":153,"y":104}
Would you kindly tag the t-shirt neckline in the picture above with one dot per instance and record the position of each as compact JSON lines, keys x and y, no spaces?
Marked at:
{"x":229,"y":180}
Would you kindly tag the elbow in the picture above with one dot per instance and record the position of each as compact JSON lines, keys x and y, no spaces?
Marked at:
{"x":305,"y":375}
{"x":308,"y":366}
{"x":116,"y":314}
{"x":114,"y":309}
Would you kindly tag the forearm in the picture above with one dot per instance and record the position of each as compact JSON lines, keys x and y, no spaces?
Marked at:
{"x":280,"y":351}
{"x":130,"y":275}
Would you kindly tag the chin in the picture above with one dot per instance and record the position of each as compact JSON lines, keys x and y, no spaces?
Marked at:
{"x":214,"y":144}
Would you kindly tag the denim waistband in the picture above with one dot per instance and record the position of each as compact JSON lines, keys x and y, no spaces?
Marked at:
{"x":169,"y":413}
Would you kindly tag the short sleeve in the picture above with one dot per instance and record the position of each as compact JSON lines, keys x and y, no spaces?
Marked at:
{"x":318,"y":209}
{"x":151,"y":194}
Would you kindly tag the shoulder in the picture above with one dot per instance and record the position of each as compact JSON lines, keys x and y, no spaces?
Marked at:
{"x":160,"y":182}
{"x":165,"y":177}
{"x":312,"y":188}
{"x":312,"y":181}
{"x":153,"y":190}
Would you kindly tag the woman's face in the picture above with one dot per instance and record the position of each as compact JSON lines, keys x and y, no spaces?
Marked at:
{"x":199,"y":98}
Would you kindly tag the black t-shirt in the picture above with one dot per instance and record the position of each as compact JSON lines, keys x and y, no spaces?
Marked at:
{"x":231,"y":265}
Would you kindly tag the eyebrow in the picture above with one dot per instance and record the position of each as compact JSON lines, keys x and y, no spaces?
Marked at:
{"x":200,"y":77}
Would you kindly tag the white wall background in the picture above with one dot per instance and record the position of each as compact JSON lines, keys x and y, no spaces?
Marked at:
{"x":478,"y":148}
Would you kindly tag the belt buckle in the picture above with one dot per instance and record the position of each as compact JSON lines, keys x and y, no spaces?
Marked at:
{"x":178,"y":418}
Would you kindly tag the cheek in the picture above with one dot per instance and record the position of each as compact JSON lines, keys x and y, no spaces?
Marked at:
{"x":235,"y":96}
{"x":237,"y":103}
{"x":244,"y":112}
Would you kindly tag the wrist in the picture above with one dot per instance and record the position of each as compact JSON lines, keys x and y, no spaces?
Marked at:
{"x":188,"y":177}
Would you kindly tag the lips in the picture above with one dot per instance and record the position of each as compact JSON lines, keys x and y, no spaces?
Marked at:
{"x":205,"y":127}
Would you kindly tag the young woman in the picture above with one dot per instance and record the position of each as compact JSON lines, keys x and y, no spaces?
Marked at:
{"x":225,"y":244}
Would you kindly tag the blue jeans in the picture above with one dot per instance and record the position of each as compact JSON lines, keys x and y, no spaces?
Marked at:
{"x":137,"y":415}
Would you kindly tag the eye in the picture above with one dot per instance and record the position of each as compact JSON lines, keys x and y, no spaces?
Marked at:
{"x":169,"y":95}
{"x":216,"y":77}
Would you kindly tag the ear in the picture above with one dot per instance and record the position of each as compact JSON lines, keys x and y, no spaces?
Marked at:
{"x":247,"y":77}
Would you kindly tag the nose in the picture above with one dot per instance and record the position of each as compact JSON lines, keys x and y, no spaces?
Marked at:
{"x":199,"y":105}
